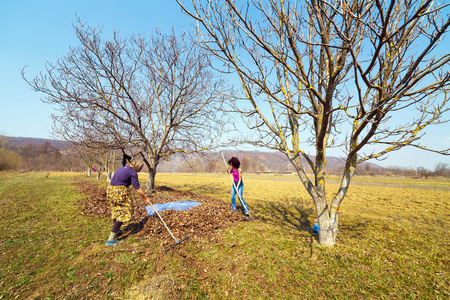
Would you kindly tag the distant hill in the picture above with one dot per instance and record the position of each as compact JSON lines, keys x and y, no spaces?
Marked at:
{"x":273,"y":161}
{"x":23,"y":141}
{"x":252,"y":161}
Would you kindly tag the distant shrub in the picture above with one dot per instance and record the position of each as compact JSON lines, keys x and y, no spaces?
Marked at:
{"x":9,"y":160}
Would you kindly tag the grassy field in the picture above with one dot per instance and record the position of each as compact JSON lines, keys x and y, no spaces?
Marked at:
{"x":393,"y":244}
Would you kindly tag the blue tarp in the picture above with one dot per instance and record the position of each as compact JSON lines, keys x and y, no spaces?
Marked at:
{"x":176,"y":205}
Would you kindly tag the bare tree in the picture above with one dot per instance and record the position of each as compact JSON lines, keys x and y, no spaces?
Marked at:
{"x":9,"y":160}
{"x":442,"y":169}
{"x":331,"y":73}
{"x":102,"y":161}
{"x":156,"y":95}
{"x":71,"y":161}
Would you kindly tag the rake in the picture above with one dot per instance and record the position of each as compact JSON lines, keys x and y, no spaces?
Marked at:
{"x":177,"y":241}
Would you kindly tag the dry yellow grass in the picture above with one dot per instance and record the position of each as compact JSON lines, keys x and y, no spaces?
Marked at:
{"x":422,"y":201}
{"x":393,"y":240}
{"x":63,"y":174}
{"x":393,"y":243}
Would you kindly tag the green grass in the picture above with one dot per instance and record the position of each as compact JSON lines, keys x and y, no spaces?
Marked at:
{"x":48,"y":249}
{"x":393,"y":244}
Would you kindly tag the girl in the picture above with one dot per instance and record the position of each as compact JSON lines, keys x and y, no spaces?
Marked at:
{"x":238,"y":184}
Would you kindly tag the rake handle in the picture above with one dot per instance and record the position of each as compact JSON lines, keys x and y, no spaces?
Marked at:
{"x":165,"y":225}
{"x":176,"y":241}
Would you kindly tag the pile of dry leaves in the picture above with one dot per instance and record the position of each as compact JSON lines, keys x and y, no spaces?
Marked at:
{"x":198,"y":221}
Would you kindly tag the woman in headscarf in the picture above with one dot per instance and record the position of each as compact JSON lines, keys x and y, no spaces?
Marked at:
{"x":119,"y":196}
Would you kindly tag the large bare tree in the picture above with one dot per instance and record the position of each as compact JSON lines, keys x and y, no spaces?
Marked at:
{"x":157,"y":95}
{"x":365,"y":76}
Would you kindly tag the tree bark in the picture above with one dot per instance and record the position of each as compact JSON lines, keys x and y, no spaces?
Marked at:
{"x":150,"y":186}
{"x":328,"y":220}
{"x":328,"y":229}
{"x":151,"y":163}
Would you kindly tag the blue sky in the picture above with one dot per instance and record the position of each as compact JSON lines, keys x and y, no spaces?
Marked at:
{"x":33,"y":32}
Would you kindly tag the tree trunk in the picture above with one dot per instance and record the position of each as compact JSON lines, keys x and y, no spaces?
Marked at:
{"x":328,"y":220}
{"x":152,"y":163}
{"x":328,"y":229}
{"x":150,"y":186}
{"x":109,"y":176}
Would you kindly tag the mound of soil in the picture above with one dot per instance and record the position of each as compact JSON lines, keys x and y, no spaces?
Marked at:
{"x":198,"y":221}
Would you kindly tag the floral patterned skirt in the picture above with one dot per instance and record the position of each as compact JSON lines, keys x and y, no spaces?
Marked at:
{"x":119,"y":199}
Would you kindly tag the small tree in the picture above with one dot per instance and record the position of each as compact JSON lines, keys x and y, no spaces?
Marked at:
{"x":335,"y":73}
{"x":9,"y":160}
{"x":157,"y":95}
{"x":442,"y":169}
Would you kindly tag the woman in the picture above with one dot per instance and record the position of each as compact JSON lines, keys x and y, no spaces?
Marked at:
{"x":119,"y":196}
{"x":238,"y":184}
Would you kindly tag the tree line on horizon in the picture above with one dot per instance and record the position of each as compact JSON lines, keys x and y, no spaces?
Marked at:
{"x":29,"y":154}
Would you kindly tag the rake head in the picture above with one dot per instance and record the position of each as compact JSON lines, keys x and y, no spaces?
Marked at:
{"x":176,"y":243}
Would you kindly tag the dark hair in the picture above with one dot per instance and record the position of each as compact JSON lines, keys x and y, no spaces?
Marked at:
{"x":234,"y":162}
{"x":125,"y":158}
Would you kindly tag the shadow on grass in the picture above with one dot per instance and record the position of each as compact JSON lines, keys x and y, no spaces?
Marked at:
{"x":295,"y":214}
{"x":288,"y":213}
{"x":131,"y":229}
{"x":353,"y":228}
